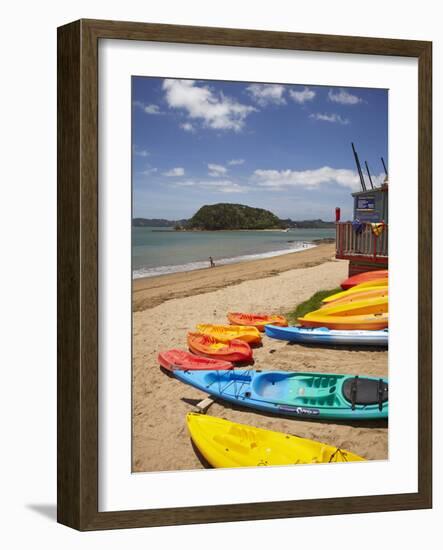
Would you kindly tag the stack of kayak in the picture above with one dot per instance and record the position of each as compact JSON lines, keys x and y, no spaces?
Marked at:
{"x":356,"y":316}
{"x":362,"y":307}
{"x":215,"y":346}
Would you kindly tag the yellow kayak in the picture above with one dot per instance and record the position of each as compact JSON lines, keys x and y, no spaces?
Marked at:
{"x":226,"y":333}
{"x":355,"y":290}
{"x":378,"y":304}
{"x":226,"y":444}
{"x":376,"y":282}
{"x":370,"y":321}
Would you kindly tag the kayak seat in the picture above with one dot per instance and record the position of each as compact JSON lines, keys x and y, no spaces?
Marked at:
{"x":364,"y":391}
{"x":270,"y":384}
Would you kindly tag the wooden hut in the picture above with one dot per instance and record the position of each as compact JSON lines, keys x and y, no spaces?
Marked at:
{"x":364,"y":240}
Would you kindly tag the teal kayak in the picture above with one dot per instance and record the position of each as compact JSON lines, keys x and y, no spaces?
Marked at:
{"x":305,"y":395}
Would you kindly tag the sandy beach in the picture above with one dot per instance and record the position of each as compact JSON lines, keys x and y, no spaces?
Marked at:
{"x":167,"y":307}
{"x":151,"y":291}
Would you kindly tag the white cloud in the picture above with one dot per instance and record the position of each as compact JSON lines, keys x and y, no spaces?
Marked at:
{"x":148,"y":171}
{"x":301,"y":96}
{"x":214,"y":110}
{"x":329,"y":118}
{"x":187,"y":127}
{"x":140,"y":152}
{"x":236,"y":162}
{"x":217,"y":186}
{"x":175,"y":172}
{"x":343,"y":97}
{"x":283,"y":179}
{"x":264,"y":94}
{"x":216,"y":170}
{"x":150,"y":109}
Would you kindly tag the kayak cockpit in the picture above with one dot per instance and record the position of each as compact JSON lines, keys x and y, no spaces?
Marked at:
{"x":300,"y":389}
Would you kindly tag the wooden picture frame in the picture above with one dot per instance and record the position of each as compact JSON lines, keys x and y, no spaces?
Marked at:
{"x":78,"y":273}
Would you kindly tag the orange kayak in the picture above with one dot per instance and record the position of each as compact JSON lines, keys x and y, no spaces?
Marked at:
{"x":225,"y":333}
{"x":257,"y":320}
{"x":370,"y":321}
{"x":208,"y":346}
{"x":183,"y":360}
{"x":364,"y":278}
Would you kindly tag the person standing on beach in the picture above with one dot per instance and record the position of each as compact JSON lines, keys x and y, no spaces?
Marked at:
{"x":211,"y":262}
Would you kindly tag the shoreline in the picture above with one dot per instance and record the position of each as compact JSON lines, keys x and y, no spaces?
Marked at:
{"x":226,"y":230}
{"x":149,"y":292}
{"x":203,"y":264}
{"x":285,"y":230}
{"x":172,"y":230}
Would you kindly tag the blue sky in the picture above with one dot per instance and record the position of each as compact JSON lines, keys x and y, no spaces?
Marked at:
{"x":286,"y":148}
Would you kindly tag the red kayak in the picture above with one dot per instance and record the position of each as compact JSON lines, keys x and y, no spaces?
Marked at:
{"x":207,"y":346}
{"x":365,"y":277}
{"x":173,"y":359}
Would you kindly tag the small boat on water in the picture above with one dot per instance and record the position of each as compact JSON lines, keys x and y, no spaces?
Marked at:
{"x":323,"y":335}
{"x":206,"y":346}
{"x":180,"y":359}
{"x":257,"y":320}
{"x":226,"y":444}
{"x":299,"y":394}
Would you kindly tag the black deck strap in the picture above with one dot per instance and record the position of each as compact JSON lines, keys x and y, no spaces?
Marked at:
{"x":341,"y":453}
{"x":380,"y":390}
{"x":354,"y":392}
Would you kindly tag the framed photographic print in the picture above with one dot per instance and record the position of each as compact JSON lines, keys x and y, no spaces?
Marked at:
{"x":229,"y":205}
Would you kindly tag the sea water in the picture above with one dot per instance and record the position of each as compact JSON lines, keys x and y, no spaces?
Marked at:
{"x":157,"y":251}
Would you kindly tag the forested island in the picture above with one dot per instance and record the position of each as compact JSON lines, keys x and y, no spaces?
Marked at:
{"x":227,"y":216}
{"x":219,"y":216}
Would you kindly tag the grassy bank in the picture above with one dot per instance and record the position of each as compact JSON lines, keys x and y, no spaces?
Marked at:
{"x":313,"y":303}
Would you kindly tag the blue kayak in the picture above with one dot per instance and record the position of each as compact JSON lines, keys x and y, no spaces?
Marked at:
{"x":308,"y":395}
{"x":323,"y":335}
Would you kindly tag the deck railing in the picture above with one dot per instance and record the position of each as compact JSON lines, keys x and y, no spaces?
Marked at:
{"x":351,"y":243}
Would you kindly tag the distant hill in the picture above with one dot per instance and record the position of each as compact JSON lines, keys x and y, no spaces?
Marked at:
{"x":156,"y":222}
{"x":232,"y":216}
{"x":308,"y":224}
